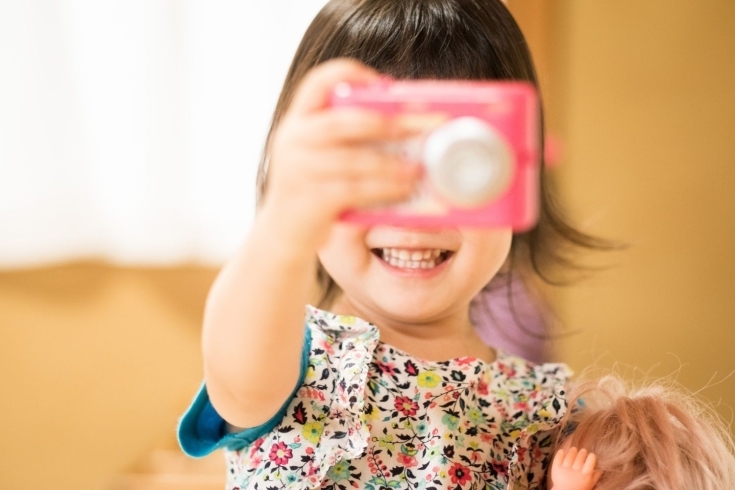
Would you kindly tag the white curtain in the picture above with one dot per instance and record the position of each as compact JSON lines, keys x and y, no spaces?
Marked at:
{"x":130,"y":131}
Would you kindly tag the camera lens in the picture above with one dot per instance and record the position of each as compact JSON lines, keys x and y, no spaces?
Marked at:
{"x":468,"y":162}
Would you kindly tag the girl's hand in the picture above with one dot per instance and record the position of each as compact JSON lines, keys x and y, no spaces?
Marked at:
{"x":574,"y":470}
{"x":324,"y":160}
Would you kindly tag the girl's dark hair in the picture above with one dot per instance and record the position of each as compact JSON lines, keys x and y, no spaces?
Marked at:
{"x":440,"y":39}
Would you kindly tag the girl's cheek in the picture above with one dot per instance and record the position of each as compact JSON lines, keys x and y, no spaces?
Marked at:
{"x":490,"y":245}
{"x":344,"y":245}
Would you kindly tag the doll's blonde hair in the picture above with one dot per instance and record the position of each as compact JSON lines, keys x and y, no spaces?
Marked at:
{"x":654,"y":437}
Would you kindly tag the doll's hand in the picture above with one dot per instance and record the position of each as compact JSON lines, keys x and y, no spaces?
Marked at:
{"x":574,"y":470}
{"x":324,"y":160}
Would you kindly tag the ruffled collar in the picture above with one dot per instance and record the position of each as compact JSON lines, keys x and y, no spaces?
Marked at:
{"x":356,"y":325}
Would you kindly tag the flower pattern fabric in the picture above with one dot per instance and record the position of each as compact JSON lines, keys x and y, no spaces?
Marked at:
{"x":369,"y":416}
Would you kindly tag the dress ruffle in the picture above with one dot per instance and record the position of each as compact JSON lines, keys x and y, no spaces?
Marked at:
{"x":353,"y":341}
{"x":530,"y":455}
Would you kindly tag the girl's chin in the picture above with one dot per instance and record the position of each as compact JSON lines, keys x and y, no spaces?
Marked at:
{"x":399,"y":307}
{"x":409,"y":308}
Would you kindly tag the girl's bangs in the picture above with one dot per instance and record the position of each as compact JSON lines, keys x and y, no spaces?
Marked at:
{"x":411,"y":39}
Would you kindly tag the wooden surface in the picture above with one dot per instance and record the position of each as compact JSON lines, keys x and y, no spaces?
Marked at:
{"x":98,"y":364}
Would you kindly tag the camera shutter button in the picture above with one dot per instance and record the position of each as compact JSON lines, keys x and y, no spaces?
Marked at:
{"x":468,"y":162}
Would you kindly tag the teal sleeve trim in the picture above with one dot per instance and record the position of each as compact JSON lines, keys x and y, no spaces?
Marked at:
{"x":201,"y":430}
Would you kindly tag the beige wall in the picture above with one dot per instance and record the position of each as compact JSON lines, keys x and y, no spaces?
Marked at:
{"x":642,"y":94}
{"x":98,"y":362}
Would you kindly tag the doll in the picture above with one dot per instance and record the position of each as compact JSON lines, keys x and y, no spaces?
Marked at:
{"x":653,"y":437}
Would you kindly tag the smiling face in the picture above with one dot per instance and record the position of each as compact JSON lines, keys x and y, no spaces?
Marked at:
{"x":412,"y":275}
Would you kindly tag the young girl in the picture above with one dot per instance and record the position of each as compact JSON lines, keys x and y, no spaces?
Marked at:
{"x":387,"y":384}
{"x":653,"y":437}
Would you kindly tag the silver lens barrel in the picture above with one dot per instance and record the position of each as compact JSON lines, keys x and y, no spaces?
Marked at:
{"x":468,"y":162}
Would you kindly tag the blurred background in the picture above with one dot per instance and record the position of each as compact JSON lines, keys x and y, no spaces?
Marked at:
{"x":129,"y":137}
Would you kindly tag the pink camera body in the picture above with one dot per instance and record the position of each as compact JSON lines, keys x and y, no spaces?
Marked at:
{"x":479,"y":145}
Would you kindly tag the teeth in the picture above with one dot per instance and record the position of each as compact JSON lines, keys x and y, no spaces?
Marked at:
{"x":412,"y":259}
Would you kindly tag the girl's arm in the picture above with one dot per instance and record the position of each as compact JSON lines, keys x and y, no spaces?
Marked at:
{"x":574,"y":470}
{"x":320,"y":166}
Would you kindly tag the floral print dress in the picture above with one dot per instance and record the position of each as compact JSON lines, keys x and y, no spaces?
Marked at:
{"x":368,"y":416}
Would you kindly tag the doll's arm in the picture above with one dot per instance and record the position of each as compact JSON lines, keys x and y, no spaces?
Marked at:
{"x":574,"y":470}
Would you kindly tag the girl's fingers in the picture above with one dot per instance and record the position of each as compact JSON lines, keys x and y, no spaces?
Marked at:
{"x":354,"y":164}
{"x":349,"y":177}
{"x":353,"y":125}
{"x":344,"y":126}
{"x":316,"y":87}
{"x":375,"y":192}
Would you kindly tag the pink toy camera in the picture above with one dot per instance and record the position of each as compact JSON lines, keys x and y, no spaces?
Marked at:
{"x":479,"y":144}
